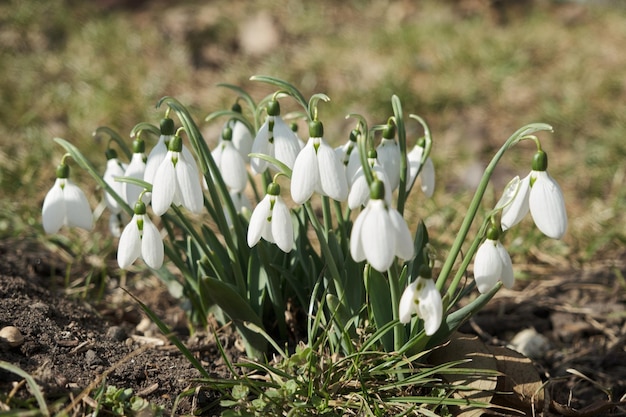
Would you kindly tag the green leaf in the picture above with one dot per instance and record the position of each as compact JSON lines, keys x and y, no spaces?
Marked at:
{"x":239,"y":310}
{"x":380,"y":302}
{"x":32,"y":385}
{"x":283,"y":85}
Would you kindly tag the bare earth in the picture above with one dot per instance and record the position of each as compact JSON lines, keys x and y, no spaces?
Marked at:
{"x":73,"y":347}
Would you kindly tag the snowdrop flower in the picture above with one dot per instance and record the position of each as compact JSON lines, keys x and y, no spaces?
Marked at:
{"x":348,"y":154}
{"x":230,"y":163}
{"x":389,"y":156}
{"x":276,"y":139}
{"x":380,"y":233}
{"x":492,"y":263}
{"x":65,"y":204}
{"x":114,"y":168}
{"x":540,"y":194}
{"x":317,"y":168}
{"x":271,"y":220}
{"x":177,"y":181}
{"x":140,"y":238}
{"x":241,"y":137}
{"x":135,"y":169}
{"x":423,"y":299}
{"x":157,"y":154}
{"x":241,"y":203}
{"x":360,"y":191}
{"x":426,"y":174}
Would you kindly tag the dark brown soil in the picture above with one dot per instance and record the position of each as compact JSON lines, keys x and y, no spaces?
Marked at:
{"x":73,"y":347}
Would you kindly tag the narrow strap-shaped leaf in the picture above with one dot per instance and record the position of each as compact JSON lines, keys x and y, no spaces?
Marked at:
{"x":380,"y":303}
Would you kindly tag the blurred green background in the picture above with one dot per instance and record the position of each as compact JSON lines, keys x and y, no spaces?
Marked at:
{"x":476,"y":70}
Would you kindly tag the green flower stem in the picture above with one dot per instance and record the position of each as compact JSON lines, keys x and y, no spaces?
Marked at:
{"x":326,"y":252}
{"x":145,"y":126}
{"x":399,"y":333}
{"x":84,"y":163}
{"x":326,"y":215}
{"x":399,"y":122}
{"x":285,"y":86}
{"x":116,"y":138}
{"x":478,"y":196}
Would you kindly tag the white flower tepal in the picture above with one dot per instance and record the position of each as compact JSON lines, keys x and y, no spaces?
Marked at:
{"x":230,"y":163}
{"x":317,"y":168}
{"x":492,"y":264}
{"x":423,"y":299}
{"x":114,"y":168}
{"x":547,"y":205}
{"x":177,"y":181}
{"x":380,"y":233}
{"x":140,"y":238}
{"x":65,"y":205}
{"x":271,"y":220}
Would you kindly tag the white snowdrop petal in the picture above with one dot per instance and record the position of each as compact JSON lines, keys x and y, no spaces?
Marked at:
{"x":389,"y":157}
{"x":189,"y":185}
{"x":547,"y":206}
{"x":155,"y":157}
{"x":113,"y":169}
{"x":136,"y":169}
{"x":331,"y":173}
{"x":404,"y":248}
{"x":305,"y":174}
{"x":381,"y":175}
{"x":515,"y":212}
{"x":378,"y":237}
{"x":282,"y":227}
{"x":508,"y":277}
{"x":487,"y":266}
{"x":152,"y":251}
{"x":233,"y":169}
{"x":261,"y":145}
{"x":414,"y":159}
{"x":242,"y":139}
{"x":129,"y":247}
{"x":354,"y":164}
{"x":430,"y":306}
{"x":286,"y":143}
{"x":359,"y":192}
{"x":407,"y":306}
{"x":78,"y":209}
{"x":164,"y":186}
{"x":258,"y":221}
{"x":356,"y":245}
{"x":53,"y":211}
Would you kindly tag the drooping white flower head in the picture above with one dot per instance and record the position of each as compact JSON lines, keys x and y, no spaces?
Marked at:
{"x":65,"y":204}
{"x":135,"y":169}
{"x":241,"y":136}
{"x":347,"y":152}
{"x":423,"y":299}
{"x":360,"y":191}
{"x":271,"y":220}
{"x":276,"y":139}
{"x":380,"y":233}
{"x":492,"y":264}
{"x":230,"y":163}
{"x":426,"y":173}
{"x":540,"y":194}
{"x":177,"y":181}
{"x":114,"y":168}
{"x":317,"y":168}
{"x":140,"y":238}
{"x":157,"y":154}
{"x":389,"y":156}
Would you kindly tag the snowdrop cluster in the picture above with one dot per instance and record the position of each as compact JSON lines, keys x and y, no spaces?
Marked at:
{"x":361,"y":177}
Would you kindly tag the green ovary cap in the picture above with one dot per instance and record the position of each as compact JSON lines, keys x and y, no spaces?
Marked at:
{"x":377,"y":190}
{"x":389,"y":131}
{"x":227,"y":133}
{"x":110,"y":153}
{"x":236,"y":108}
{"x":176,"y":144}
{"x":273,"y":189}
{"x":140,"y":207}
{"x":63,"y":171}
{"x":540,"y":161}
{"x":493,"y":233}
{"x":139,"y":146}
{"x":167,"y":126}
{"x":425,"y":272}
{"x":354,"y":135}
{"x":316,"y":129}
{"x":372,"y":154}
{"x":273,"y":108}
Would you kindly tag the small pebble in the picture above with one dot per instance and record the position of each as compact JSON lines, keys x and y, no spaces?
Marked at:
{"x":11,"y":335}
{"x":531,"y":344}
{"x":116,"y":333}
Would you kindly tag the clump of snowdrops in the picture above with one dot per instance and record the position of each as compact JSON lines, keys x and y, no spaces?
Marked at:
{"x":272,"y":222}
